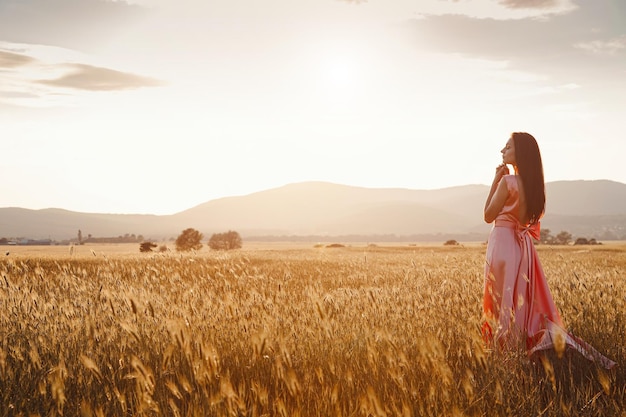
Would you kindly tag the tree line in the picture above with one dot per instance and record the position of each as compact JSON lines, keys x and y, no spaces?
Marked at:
{"x":564,"y":238}
{"x":191,"y":239}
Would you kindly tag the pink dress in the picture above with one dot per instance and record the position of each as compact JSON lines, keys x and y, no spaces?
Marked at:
{"x":517,"y":303}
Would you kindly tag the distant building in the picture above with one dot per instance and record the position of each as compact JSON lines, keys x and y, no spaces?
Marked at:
{"x":39,"y":242}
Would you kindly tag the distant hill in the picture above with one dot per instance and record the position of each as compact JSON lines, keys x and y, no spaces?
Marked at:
{"x":60,"y":224}
{"x":583,"y":208}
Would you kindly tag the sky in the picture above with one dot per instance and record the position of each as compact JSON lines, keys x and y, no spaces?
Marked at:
{"x":156,"y":106}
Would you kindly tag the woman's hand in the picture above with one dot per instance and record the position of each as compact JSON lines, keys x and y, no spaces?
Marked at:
{"x":501,"y":171}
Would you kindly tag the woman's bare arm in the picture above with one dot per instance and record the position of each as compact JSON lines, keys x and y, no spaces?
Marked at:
{"x":495,"y":201}
{"x":497,"y":194}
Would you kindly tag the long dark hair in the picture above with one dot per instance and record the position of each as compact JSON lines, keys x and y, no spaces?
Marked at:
{"x":530,"y":169}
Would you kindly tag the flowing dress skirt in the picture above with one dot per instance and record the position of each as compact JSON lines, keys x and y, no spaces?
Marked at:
{"x":518,"y":306}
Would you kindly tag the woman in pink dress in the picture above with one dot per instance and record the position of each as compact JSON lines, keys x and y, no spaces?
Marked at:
{"x":518,"y":307}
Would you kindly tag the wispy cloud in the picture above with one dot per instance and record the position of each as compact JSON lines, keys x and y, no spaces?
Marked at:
{"x":39,"y":44}
{"x":532,"y":4}
{"x":13,"y":60}
{"x":557,"y":47}
{"x":88,"y":77}
{"x":522,"y":8}
{"x":604,"y":47}
{"x":78,"y":24}
{"x":34,"y":76}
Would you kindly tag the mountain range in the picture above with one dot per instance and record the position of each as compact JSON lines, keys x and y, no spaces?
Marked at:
{"x":321,"y":210}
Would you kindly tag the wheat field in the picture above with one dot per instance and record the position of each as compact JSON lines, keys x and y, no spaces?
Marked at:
{"x":363,"y":330}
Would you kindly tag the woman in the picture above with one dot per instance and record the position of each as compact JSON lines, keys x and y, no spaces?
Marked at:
{"x":519,"y":309}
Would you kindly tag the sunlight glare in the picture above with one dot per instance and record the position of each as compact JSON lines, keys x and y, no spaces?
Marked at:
{"x":340,"y":72}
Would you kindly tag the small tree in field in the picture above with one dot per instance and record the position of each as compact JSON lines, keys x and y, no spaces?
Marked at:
{"x":188,"y":240}
{"x":147,"y":246}
{"x":563,"y":238}
{"x":225,"y":241}
{"x":546,"y":236}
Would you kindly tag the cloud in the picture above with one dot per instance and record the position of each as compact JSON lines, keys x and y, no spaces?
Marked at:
{"x":510,"y":40}
{"x":519,"y":8}
{"x":37,"y":76}
{"x":13,"y":60}
{"x":17,"y":94}
{"x":604,"y":47}
{"x":557,"y":47}
{"x":531,"y":4}
{"x":88,"y":77}
{"x":78,"y":24}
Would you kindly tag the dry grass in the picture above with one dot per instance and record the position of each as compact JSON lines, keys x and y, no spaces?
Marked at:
{"x":356,"y":331}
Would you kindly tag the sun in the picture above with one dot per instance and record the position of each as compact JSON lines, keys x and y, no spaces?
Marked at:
{"x":340,"y":71}
{"x":341,"y":68}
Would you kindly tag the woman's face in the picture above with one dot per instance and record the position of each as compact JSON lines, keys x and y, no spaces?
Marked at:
{"x":508,"y":152}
